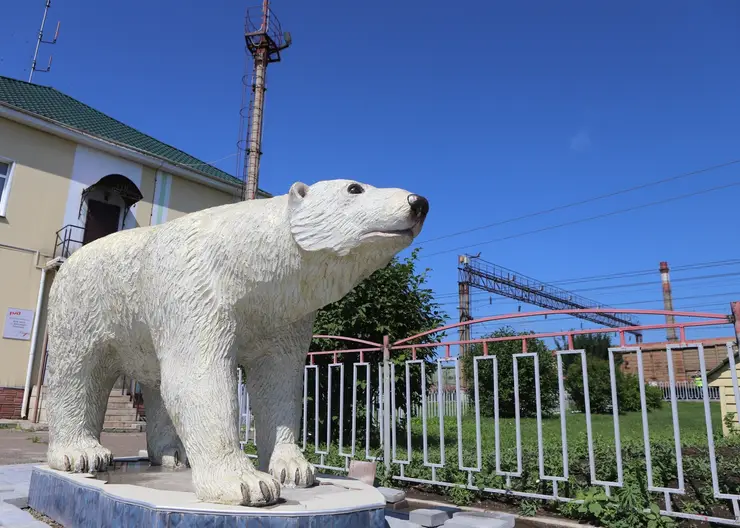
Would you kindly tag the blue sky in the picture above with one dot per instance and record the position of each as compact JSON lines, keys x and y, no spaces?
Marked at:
{"x":490,"y":109}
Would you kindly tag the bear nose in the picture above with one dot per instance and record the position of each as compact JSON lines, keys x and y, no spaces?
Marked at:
{"x":419,"y":204}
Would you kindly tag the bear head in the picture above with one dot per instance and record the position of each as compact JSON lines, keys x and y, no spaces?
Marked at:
{"x":347,"y":217}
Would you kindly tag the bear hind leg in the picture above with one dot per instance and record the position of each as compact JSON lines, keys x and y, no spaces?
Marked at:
{"x":79,"y":387}
{"x":162,"y":441}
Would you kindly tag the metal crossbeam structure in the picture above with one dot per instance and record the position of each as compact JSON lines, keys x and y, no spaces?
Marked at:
{"x":474,"y":272}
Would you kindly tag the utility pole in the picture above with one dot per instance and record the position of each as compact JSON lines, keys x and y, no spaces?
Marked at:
{"x":463,"y":289}
{"x":265,"y":40}
{"x":665,"y":279}
{"x":40,"y":40}
{"x":464,"y":335}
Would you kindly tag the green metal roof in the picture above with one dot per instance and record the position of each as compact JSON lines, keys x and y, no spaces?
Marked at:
{"x":52,"y":104}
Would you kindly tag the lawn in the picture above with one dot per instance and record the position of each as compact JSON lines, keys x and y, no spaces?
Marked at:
{"x":699,"y":496}
{"x":692,"y":431}
{"x":691,"y":419}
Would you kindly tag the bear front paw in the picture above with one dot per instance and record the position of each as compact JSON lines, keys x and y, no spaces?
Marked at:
{"x":290,"y":467}
{"x":86,"y":457}
{"x":245,"y":487}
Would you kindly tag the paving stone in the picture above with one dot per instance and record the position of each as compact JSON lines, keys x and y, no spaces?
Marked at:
{"x":428,"y":517}
{"x":19,"y":500}
{"x":395,"y":522}
{"x":472,"y":522}
{"x":400,"y":505}
{"x":481,"y":520}
{"x":392,"y":495}
{"x":17,"y":518}
{"x":14,"y":483}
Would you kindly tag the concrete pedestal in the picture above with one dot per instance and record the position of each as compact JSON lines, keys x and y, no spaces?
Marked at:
{"x":136,"y":494}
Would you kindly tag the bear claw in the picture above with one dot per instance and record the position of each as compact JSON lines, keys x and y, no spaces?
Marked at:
{"x":294,"y":470}
{"x":91,"y":459}
{"x":245,"y":487}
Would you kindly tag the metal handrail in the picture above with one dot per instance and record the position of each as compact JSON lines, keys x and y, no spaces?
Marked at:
{"x":64,"y":239}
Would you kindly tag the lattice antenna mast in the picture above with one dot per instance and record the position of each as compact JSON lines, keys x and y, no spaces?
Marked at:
{"x":483,"y":275}
{"x":40,"y":40}
{"x":265,"y":40}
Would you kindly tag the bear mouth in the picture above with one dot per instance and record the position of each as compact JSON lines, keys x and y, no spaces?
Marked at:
{"x":410,"y":232}
{"x":389,"y":233}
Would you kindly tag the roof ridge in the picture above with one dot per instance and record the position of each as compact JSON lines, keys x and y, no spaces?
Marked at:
{"x":107,"y":116}
{"x":27,"y":83}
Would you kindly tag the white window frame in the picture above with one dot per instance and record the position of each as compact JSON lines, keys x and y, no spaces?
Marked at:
{"x":6,"y":189}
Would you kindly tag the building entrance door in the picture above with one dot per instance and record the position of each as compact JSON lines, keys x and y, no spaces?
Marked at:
{"x":102,"y":219}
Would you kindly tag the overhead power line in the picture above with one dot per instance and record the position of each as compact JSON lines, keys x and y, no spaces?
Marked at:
{"x":686,"y":298}
{"x":644,"y":272}
{"x":628,"y":274}
{"x":480,"y":298}
{"x":567,"y":317}
{"x":653,"y":283}
{"x":630,"y":303}
{"x":582,"y":202}
{"x":583,"y":220}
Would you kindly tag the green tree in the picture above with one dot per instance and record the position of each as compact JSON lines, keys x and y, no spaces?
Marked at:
{"x":392,"y":302}
{"x":600,"y":388}
{"x":595,"y":345}
{"x":504,"y":352}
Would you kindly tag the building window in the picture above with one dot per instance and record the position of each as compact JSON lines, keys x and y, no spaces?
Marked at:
{"x":6,"y":171}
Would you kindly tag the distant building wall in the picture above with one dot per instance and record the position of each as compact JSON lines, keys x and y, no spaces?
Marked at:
{"x":728,"y":404}
{"x":185,"y":196}
{"x":41,"y":175}
{"x":49,"y":175}
{"x":685,"y":362}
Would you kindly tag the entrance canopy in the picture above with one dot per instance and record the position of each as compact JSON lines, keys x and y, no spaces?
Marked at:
{"x":116,"y":184}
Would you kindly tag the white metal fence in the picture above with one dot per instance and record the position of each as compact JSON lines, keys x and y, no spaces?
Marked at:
{"x":446,"y":405}
{"x":448,"y":433}
{"x":687,"y":391}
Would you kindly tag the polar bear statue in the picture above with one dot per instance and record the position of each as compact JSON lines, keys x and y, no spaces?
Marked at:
{"x":179,"y":305}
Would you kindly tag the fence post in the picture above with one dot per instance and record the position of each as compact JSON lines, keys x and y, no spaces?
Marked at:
{"x":386,"y":402}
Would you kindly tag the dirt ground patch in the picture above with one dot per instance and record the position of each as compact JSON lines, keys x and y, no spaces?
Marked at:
{"x":26,"y":447}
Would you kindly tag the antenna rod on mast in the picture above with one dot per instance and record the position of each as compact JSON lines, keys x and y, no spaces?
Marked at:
{"x":40,"y":40}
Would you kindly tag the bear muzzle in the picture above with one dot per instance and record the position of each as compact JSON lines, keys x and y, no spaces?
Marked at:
{"x":419,"y":205}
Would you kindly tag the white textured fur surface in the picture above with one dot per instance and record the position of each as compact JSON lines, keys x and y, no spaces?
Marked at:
{"x":179,"y":305}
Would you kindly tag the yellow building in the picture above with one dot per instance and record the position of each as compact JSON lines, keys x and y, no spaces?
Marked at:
{"x":721,"y":376}
{"x":68,"y":175}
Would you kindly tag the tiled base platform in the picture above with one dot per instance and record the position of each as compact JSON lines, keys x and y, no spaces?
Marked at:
{"x":133,"y":494}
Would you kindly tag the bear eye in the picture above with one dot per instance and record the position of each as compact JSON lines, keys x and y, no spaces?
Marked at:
{"x":355,"y":188}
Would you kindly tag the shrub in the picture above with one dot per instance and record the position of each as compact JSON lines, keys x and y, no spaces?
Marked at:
{"x":600,"y":389}
{"x":504,"y":351}
{"x":654,"y":397}
{"x":394,"y":301}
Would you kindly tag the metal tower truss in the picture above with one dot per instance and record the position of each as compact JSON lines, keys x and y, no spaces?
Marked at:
{"x":489,"y":277}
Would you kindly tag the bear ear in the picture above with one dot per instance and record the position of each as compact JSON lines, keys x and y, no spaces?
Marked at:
{"x":297,"y":193}
{"x":307,"y":224}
